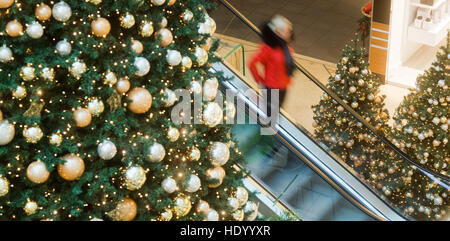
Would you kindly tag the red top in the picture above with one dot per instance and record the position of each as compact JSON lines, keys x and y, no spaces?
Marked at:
{"x":276,"y":76}
{"x":368,"y":8}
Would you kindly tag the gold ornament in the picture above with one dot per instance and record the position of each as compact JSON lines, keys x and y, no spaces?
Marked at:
{"x":166,"y":215}
{"x":135,"y":178}
{"x":72,"y":169}
{"x":126,"y":210}
{"x":1,"y":116}
{"x":127,"y":20}
{"x":182,"y":206}
{"x":6,"y":3}
{"x":146,"y":29}
{"x":14,"y":28}
{"x":123,"y":85}
{"x":241,"y":195}
{"x":203,"y":207}
{"x":56,"y":139}
{"x":96,"y":107}
{"x":35,"y":109}
{"x":217,"y":174}
{"x":37,"y":172}
{"x":82,"y":117}
{"x":165,"y":35}
{"x":4,"y":186}
{"x":43,"y":12}
{"x":137,"y":46}
{"x":95,"y":2}
{"x":100,"y":27}
{"x":33,"y":134}
{"x":171,"y":2}
{"x":30,"y":207}
{"x":115,"y":101}
{"x":238,"y":215}
{"x":141,"y":100}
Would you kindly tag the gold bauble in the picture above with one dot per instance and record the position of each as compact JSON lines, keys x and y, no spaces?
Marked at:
{"x":14,"y":28}
{"x":126,"y":210}
{"x":4,"y":186}
{"x":100,"y":27}
{"x":146,"y":29}
{"x":1,"y":116}
{"x":123,"y":85}
{"x":43,"y":12}
{"x":30,"y":207}
{"x":37,"y":172}
{"x":217,"y":173}
{"x":137,"y":46}
{"x":141,"y":100}
{"x":95,"y":2}
{"x":166,"y":36}
{"x":182,"y":206}
{"x":171,"y":2}
{"x":82,"y":117}
{"x":166,"y":215}
{"x":72,"y":168}
{"x":238,"y":215}
{"x":6,"y":3}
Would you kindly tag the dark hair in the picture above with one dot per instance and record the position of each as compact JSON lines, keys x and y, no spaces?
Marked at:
{"x":270,"y":38}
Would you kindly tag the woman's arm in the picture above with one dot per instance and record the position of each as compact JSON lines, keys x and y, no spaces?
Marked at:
{"x":258,"y":58}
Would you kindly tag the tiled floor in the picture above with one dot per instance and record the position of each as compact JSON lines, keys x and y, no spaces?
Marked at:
{"x":322,"y":27}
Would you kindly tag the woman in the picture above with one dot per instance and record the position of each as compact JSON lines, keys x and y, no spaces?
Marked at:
{"x":276,"y":58}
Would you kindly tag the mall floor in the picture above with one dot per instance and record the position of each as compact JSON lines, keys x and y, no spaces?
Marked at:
{"x":322,"y":27}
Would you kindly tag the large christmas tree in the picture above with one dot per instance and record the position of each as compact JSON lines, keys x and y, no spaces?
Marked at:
{"x":421,"y":131}
{"x":86,"y":93}
{"x":337,"y":128}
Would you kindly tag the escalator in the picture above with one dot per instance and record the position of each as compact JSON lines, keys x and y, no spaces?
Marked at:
{"x":294,"y":170}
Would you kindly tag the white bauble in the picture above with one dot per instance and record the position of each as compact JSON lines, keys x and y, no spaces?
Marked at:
{"x":201,"y":56}
{"x":196,"y":87}
{"x":56,"y":139}
{"x":96,"y":107}
{"x":135,"y":178}
{"x":195,"y":154}
{"x":364,"y":71}
{"x":158,"y":2}
{"x":63,"y":47}
{"x":441,"y":83}
{"x":230,"y":110}
{"x":182,"y":206}
{"x":207,"y":27}
{"x":107,"y":150}
{"x":156,"y":152}
{"x":217,"y":174}
{"x":5,"y":54}
{"x":170,"y":97}
{"x":30,"y":207}
{"x":147,"y":29}
{"x":27,"y":73}
{"x":37,"y":172}
{"x":137,"y":46}
{"x":436,"y":120}
{"x":48,"y":73}
{"x":233,"y":203}
{"x":210,"y":88}
{"x":6,"y":132}
{"x":173,"y":57}
{"x":20,"y":92}
{"x":173,"y":134}
{"x":212,"y":215}
{"x":193,"y":184}
{"x":352,"y":89}
{"x":167,"y":215}
{"x":78,"y":68}
{"x":169,"y":185}
{"x":337,"y":77}
{"x":438,"y":200}
{"x":62,"y":11}
{"x":110,"y":78}
{"x":142,"y":65}
{"x":187,"y":16}
{"x":241,"y":195}
{"x":444,"y":127}
{"x":163,"y":22}
{"x":33,"y":134}
{"x":212,"y":114}
{"x":251,"y":208}
{"x":203,"y":207}
{"x":127,"y":21}
{"x":4,"y":186}
{"x":35,"y":30}
{"x":186,"y":62}
{"x":220,"y":154}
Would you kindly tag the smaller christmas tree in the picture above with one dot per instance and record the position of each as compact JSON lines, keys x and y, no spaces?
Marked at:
{"x":421,"y":131}
{"x":337,"y":128}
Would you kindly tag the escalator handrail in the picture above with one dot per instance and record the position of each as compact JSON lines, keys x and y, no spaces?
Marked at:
{"x":364,"y":200}
{"x":428,"y":172}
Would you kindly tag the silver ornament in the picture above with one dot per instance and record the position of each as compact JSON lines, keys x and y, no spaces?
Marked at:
{"x":220,"y":154}
{"x":33,"y":134}
{"x":187,"y":16}
{"x":193,"y":184}
{"x":212,"y":215}
{"x":62,"y":11}
{"x":127,"y":20}
{"x":212,"y":114}
{"x":35,"y":30}
{"x":20,"y":92}
{"x":156,"y":152}
{"x":173,"y":134}
{"x":96,"y":107}
{"x":5,"y":54}
{"x":170,"y":97}
{"x":78,"y":68}
{"x":56,"y":139}
{"x":195,"y":154}
{"x":186,"y":62}
{"x":169,"y":185}
{"x":233,"y":203}
{"x":30,"y":207}
{"x":251,"y":208}
{"x":6,"y":132}
{"x":48,"y":73}
{"x":210,"y":88}
{"x":173,"y":57}
{"x":201,"y":55}
{"x":63,"y":47}
{"x":4,"y":186}
{"x":195,"y":87}
{"x":158,"y":2}
{"x":142,"y":65}
{"x":27,"y":73}
{"x":107,"y":150}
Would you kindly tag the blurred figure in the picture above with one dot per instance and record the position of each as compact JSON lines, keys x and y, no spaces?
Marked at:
{"x":275,"y":56}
